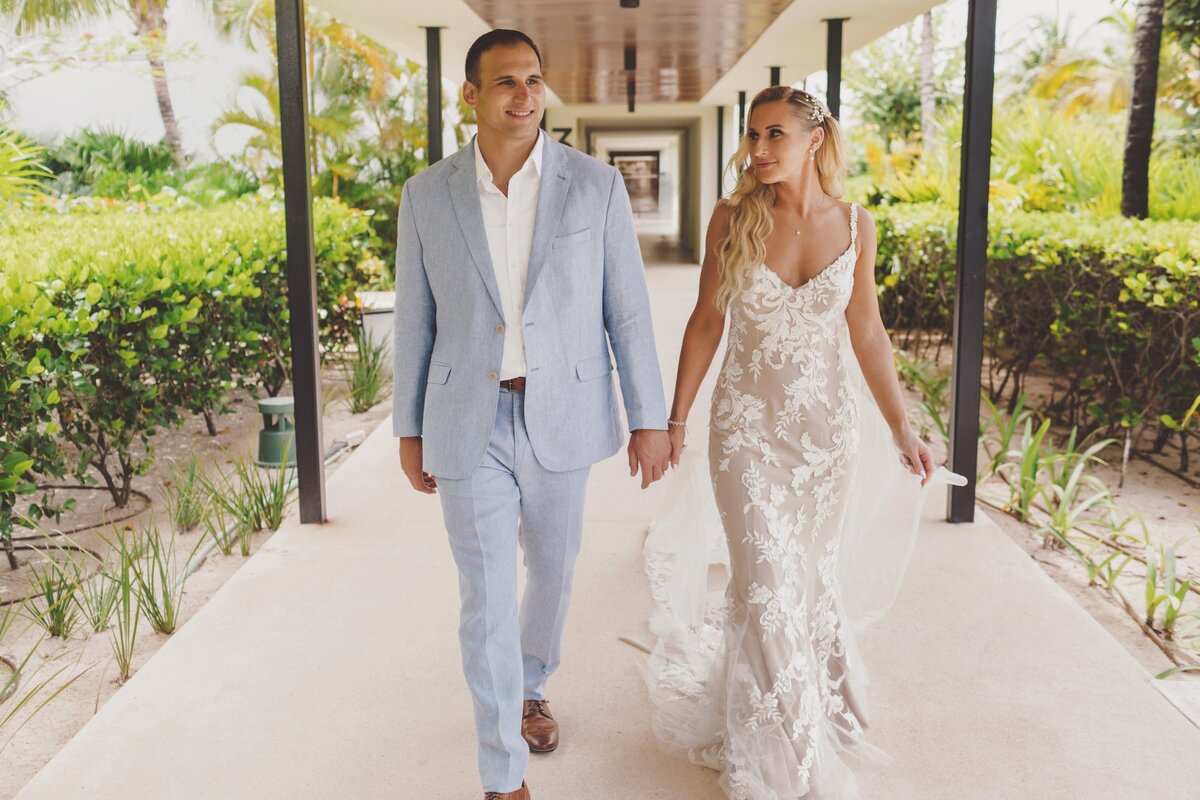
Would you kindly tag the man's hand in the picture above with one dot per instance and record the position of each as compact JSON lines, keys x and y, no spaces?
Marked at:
{"x":649,"y":451}
{"x":410,"y":462}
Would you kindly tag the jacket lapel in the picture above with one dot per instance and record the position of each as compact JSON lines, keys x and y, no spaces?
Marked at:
{"x":552,"y":197}
{"x":464,"y":195}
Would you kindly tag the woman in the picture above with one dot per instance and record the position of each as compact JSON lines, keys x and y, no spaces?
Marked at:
{"x":765,"y":688}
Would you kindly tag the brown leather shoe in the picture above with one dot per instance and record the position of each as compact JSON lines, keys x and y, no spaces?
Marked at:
{"x":519,"y":794}
{"x":538,"y":727}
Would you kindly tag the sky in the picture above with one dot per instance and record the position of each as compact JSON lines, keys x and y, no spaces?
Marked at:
{"x":122,"y":96}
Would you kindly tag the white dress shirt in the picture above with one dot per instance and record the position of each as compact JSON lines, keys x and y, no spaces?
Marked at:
{"x":509,"y":224}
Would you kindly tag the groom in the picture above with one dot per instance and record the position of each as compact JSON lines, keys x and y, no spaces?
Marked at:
{"x":517,"y":266}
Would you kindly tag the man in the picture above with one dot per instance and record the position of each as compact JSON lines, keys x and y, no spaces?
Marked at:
{"x":517,"y":266}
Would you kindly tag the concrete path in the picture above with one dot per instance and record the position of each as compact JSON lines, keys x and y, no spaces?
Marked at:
{"x":328,"y":667}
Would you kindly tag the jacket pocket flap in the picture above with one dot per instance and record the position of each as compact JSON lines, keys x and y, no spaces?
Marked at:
{"x":595,"y":367}
{"x":438,"y":373}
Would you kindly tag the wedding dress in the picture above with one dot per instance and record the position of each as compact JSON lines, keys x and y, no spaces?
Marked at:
{"x":762,"y":681}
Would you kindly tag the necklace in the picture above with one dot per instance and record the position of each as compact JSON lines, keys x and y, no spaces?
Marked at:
{"x":797,"y":230}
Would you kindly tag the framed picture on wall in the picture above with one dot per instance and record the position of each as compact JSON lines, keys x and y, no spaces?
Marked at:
{"x":640,"y":171}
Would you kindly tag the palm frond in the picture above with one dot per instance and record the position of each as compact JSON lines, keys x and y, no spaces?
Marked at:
{"x":45,"y":15}
{"x":21,"y":167}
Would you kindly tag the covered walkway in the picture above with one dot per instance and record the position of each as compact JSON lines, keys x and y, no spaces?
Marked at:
{"x":328,"y":667}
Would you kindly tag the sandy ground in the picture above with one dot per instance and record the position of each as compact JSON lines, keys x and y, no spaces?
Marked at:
{"x":1155,"y":493}
{"x":87,"y":656}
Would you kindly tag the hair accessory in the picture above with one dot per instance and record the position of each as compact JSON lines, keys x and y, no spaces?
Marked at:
{"x":818,"y":111}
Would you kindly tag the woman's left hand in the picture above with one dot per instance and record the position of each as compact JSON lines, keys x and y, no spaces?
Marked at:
{"x":678,"y":435}
{"x":915,"y":455}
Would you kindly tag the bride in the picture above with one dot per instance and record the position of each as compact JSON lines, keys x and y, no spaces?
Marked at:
{"x":764,"y":685}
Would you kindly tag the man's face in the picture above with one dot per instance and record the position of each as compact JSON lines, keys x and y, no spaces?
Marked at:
{"x":511,"y":96}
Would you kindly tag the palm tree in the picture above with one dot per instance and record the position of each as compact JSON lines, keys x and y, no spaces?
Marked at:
{"x":149,"y":20}
{"x":1044,"y":39}
{"x":1078,"y":80}
{"x":1139,"y":135}
{"x":330,"y":124}
{"x":336,"y":52}
{"x":928,"y":99}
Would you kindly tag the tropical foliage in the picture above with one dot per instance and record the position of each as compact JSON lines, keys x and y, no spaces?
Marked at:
{"x":21,"y":167}
{"x":112,"y":331}
{"x":885,"y":80}
{"x":1111,"y":305}
{"x":1042,"y":160}
{"x":108,"y":163}
{"x":367,"y":112}
{"x":149,"y":21}
{"x":1061,"y":116}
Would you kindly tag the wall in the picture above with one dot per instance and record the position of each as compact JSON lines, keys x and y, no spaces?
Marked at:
{"x":698,"y":183}
{"x":667,"y":221}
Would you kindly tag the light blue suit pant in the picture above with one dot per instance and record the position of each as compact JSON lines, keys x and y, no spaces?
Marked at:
{"x":507,"y":653}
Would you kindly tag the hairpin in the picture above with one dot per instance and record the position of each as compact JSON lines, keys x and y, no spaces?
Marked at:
{"x":818,"y":112}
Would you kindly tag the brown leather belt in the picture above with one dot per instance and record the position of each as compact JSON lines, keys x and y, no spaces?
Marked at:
{"x":513,"y":384}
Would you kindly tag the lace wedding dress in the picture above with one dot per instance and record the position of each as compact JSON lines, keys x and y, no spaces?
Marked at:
{"x":762,"y":681}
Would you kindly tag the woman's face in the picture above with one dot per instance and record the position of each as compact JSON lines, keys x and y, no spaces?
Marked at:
{"x":779,"y":143}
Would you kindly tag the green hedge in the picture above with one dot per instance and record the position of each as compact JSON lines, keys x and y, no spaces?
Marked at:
{"x":118,"y":322}
{"x":1112,"y":305}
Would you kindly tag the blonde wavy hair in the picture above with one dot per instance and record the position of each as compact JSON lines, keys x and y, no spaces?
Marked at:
{"x":750,"y":202}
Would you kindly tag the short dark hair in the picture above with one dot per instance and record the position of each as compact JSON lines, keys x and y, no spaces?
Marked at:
{"x":501,"y":37}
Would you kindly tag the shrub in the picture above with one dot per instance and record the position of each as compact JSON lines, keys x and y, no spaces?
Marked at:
{"x":136,"y":318}
{"x":1111,"y":304}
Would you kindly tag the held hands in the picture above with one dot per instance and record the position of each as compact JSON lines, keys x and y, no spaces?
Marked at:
{"x":649,"y":451}
{"x":410,"y":462}
{"x":914,"y":453}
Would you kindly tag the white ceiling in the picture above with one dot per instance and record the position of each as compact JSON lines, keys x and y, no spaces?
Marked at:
{"x":795,"y":41}
{"x":400,"y":25}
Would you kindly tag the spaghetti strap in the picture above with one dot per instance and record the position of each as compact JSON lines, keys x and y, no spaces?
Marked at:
{"x":853,"y":224}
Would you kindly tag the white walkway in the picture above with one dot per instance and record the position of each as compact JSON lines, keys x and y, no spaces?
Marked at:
{"x":328,"y":667}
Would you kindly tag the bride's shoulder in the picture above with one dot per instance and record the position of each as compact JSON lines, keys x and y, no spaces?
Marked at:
{"x":847,"y":207}
{"x":719,"y":222}
{"x":860,"y":218}
{"x":864,"y":221}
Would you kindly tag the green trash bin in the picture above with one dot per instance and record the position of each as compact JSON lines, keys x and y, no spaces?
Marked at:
{"x":278,"y":435}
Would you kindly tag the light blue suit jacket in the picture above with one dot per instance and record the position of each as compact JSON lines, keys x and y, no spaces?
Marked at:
{"x":585,"y":289}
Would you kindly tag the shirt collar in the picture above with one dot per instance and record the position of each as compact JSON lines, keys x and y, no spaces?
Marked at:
{"x":484,"y":173}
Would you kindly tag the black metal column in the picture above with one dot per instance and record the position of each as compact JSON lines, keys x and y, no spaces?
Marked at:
{"x":741,"y":117}
{"x":301,"y":269}
{"x":775,"y":76}
{"x":720,"y":150}
{"x":833,"y":65}
{"x":971,"y":262}
{"x":433,"y":66}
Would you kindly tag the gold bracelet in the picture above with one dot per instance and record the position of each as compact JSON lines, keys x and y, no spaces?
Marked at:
{"x":677,"y":423}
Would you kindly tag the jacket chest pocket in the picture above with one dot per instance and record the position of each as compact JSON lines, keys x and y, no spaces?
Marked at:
{"x":569,"y":240}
